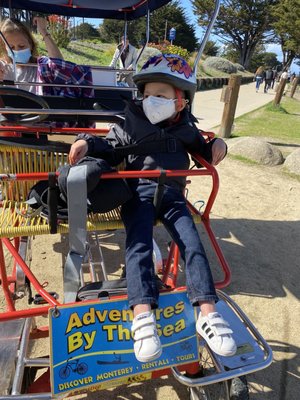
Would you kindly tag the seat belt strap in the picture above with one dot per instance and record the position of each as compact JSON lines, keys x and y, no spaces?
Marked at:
{"x":77,"y":211}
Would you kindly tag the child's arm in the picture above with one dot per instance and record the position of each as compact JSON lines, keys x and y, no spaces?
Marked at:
{"x":97,"y":147}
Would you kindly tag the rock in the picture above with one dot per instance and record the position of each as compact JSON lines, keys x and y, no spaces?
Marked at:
{"x":219,"y":64}
{"x":255,"y":149}
{"x":292,"y":162}
{"x":239,"y":67}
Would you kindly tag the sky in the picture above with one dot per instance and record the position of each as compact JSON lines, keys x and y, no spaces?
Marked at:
{"x":187,"y":6}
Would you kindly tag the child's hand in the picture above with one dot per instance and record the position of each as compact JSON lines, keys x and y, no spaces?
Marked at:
{"x":219,"y":150}
{"x":78,"y":151}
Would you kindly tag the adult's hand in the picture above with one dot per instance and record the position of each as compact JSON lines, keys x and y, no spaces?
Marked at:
{"x":41,"y":24}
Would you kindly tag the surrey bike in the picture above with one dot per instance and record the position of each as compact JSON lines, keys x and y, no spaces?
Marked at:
{"x":89,"y":334}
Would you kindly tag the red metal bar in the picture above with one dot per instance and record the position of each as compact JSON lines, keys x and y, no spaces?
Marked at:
{"x":215,"y":186}
{"x":108,"y":175}
{"x":4,"y":281}
{"x":51,"y":300}
{"x":52,"y":130}
{"x":225,"y":267}
{"x":27,"y":313}
{"x":176,"y":257}
{"x":167,"y":275}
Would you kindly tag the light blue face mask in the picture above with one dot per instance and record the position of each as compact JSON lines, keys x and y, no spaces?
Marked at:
{"x":21,"y":56}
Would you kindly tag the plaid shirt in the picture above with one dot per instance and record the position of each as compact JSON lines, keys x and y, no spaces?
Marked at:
{"x":55,"y":70}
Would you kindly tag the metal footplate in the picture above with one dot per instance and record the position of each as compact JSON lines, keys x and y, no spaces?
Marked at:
{"x":10,"y":336}
{"x":253,"y":352}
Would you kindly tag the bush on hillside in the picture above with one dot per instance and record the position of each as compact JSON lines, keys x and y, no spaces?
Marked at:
{"x":219,"y":64}
{"x":166,"y":47}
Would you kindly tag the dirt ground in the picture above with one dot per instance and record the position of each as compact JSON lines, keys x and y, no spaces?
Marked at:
{"x":256,"y":221}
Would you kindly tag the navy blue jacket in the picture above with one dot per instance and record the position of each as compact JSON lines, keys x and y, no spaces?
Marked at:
{"x":164,"y":146}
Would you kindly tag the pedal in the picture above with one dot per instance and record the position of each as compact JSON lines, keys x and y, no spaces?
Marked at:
{"x":38,"y":299}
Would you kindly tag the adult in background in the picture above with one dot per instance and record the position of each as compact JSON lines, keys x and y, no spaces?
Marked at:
{"x":274,"y":77}
{"x":24,"y":49}
{"x":268,"y":75}
{"x":47,"y":69}
{"x":125,"y":56}
{"x":259,"y":77}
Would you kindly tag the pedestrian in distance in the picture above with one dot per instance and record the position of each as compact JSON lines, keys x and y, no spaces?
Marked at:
{"x":268,"y":75}
{"x":259,"y":77}
{"x":168,"y":85}
{"x":125,"y":57}
{"x":274,"y":77}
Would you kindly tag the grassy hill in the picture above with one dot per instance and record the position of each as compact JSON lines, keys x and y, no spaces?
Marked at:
{"x":93,"y":52}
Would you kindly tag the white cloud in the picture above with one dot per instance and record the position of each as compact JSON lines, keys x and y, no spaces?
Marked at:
{"x":274,"y":48}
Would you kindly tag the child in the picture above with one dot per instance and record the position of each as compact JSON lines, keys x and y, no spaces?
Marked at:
{"x":162,"y":119}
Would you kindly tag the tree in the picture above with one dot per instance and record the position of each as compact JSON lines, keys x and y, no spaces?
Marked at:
{"x":161,"y":21}
{"x":211,"y":49}
{"x":243,"y":23}
{"x":287,"y":29}
{"x":266,"y":59}
{"x":86,"y":31}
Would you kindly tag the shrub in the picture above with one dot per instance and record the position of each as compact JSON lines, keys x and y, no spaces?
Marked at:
{"x":167,"y":48}
{"x":59,"y":28}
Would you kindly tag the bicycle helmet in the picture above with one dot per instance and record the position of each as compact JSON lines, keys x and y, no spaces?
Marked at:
{"x":168,"y":68}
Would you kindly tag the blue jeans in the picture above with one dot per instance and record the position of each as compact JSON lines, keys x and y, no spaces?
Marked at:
{"x":259,"y":80}
{"x":138,"y":215}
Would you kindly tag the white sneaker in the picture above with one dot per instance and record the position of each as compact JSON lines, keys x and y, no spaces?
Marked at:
{"x":217,"y":334}
{"x":147,"y":346}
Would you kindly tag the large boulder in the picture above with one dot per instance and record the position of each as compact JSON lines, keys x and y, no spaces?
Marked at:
{"x":255,"y":149}
{"x":219,"y":64}
{"x":292,"y":162}
{"x":239,"y":67}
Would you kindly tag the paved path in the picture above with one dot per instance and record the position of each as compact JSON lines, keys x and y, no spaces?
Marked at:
{"x":208,"y":108}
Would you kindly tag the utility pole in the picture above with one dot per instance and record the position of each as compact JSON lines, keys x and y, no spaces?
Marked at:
{"x":166,"y":27}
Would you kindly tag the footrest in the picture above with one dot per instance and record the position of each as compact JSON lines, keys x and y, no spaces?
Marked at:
{"x":253,"y":352}
{"x":38,"y":299}
{"x":10,"y":336}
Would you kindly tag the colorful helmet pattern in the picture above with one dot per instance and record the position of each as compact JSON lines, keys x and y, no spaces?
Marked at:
{"x":168,"y":68}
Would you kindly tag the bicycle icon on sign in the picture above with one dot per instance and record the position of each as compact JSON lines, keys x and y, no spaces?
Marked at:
{"x":74,"y":366}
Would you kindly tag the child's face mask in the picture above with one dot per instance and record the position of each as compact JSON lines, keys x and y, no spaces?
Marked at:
{"x":158,"y":109}
{"x":21,"y":56}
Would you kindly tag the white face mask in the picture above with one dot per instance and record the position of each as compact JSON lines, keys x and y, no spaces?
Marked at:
{"x":158,"y":109}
